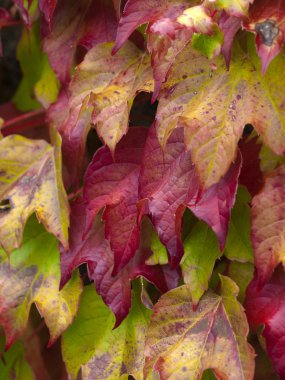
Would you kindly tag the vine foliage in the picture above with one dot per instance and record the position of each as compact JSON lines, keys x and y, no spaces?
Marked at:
{"x":142,"y":191}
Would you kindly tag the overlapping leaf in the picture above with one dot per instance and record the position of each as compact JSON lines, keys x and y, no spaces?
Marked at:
{"x":95,"y":250}
{"x":267,"y":227}
{"x":169,"y":183}
{"x":238,"y":245}
{"x":182,"y":343}
{"x":265,"y":305}
{"x":30,"y":181}
{"x":72,"y":24}
{"x":171,"y":27}
{"x":266,"y":19}
{"x":33,"y":275}
{"x":102,"y":352}
{"x":102,"y":91}
{"x":233,"y":7}
{"x":114,"y":183}
{"x":213,"y":106}
{"x":201,"y":251}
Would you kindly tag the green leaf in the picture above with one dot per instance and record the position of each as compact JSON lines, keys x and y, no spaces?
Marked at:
{"x":201,"y":249}
{"x":182,"y":343}
{"x":13,"y":364}
{"x":32,"y":274}
{"x":238,"y":244}
{"x":269,"y":160}
{"x":159,"y":253}
{"x":209,"y":45}
{"x":102,"y":352}
{"x":39,"y":85}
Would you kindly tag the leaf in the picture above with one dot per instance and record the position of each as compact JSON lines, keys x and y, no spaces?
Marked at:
{"x":268,"y":160}
{"x":241,"y":274}
{"x":265,"y":305}
{"x":168,"y":183}
{"x":159,"y":253}
{"x":170,"y":29}
{"x":201,"y":251}
{"x":102,"y":91}
{"x":267,"y":224}
{"x":233,"y":7}
{"x":251,"y":175}
{"x":13,"y":363}
{"x":39,"y":84}
{"x":213,"y":106}
{"x":209,"y":45}
{"x":266,"y":20}
{"x":33,"y":275}
{"x":113,"y":184}
{"x":182,"y":343}
{"x":72,"y":25}
{"x":102,"y":352}
{"x":47,"y":8}
{"x":229,"y":25}
{"x":31,"y":182}
{"x":94,"y":249}
{"x":238,"y":245}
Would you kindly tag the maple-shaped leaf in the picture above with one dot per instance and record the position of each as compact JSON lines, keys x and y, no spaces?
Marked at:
{"x":201,"y":249}
{"x":32,"y":274}
{"x":213,"y":105}
{"x":170,"y":27}
{"x":101,"y":352}
{"x":233,"y":7}
{"x":168,"y":183}
{"x":181,"y":343}
{"x":102,"y":91}
{"x":94,"y":249}
{"x":113,"y":183}
{"x":267,"y":224}
{"x":266,"y":19}
{"x":30,"y":181}
{"x":73,"y":25}
{"x":265,"y":305}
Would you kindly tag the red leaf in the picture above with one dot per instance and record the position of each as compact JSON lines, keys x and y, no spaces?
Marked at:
{"x":47,"y":8}
{"x":74,"y":23}
{"x":114,"y":183}
{"x":136,"y":13}
{"x":170,"y":29}
{"x":266,"y":306}
{"x":215,"y":203}
{"x":251,"y":175}
{"x":95,"y":250}
{"x":267,"y":224}
{"x":168,"y":183}
{"x":266,"y":20}
{"x":229,"y":26}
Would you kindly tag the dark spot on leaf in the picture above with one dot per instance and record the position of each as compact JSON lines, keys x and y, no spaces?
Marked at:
{"x":184,"y":76}
{"x":184,"y":369}
{"x":64,"y":307}
{"x":268,"y":31}
{"x":6,"y":205}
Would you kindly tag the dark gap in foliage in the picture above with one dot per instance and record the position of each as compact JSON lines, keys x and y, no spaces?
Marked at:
{"x":143,"y":112}
{"x":248,"y":128}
